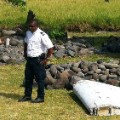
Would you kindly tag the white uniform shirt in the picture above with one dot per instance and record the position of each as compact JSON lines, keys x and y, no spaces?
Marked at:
{"x":37,"y":43}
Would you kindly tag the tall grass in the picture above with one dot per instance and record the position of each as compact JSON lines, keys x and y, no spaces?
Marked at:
{"x":57,"y":14}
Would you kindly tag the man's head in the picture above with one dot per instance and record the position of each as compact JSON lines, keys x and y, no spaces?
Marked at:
{"x":33,"y":25}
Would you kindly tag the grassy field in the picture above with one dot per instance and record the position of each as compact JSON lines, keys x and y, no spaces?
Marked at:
{"x":58,"y":105}
{"x":68,"y":14}
{"x":55,"y":14}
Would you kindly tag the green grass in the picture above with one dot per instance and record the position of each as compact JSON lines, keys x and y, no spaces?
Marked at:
{"x":56,"y":14}
{"x":58,"y":105}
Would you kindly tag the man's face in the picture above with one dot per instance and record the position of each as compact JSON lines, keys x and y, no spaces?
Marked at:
{"x":33,"y":27}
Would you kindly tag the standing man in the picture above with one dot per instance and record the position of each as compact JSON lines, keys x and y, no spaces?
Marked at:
{"x":36,"y":44}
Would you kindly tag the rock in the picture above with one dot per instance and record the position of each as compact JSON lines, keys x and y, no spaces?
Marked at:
{"x":49,"y":79}
{"x":93,"y":67}
{"x":5,"y":58}
{"x":112,"y":76}
{"x":14,"y":42}
{"x":60,"y":68}
{"x":101,"y":66}
{"x":84,"y":51}
{"x":98,"y":71}
{"x":110,"y":66}
{"x":118,"y":71}
{"x":63,"y":75}
{"x":53,"y":71}
{"x":85,"y":70}
{"x":102,"y":78}
{"x":88,"y":77}
{"x":83,"y":65}
{"x":95,"y":76}
{"x":71,"y":53}
{"x":113,"y":82}
{"x":80,"y":74}
{"x":76,"y":69}
{"x":59,"y":54}
{"x":113,"y":70}
{"x":99,"y":61}
{"x":106,"y":72}
{"x":8,"y":32}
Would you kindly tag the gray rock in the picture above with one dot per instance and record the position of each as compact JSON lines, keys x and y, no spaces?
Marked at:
{"x":85,"y":70}
{"x":106,"y":72}
{"x":75,"y":79}
{"x":53,"y":71}
{"x":98,"y":71}
{"x":113,"y":70}
{"x":76,"y":69}
{"x":60,"y":68}
{"x":99,"y":61}
{"x":102,"y":78}
{"x":118,"y":71}
{"x":101,"y":66}
{"x":14,"y":42}
{"x":5,"y":58}
{"x":8,"y":32}
{"x":83,"y":65}
{"x":95,"y":76}
{"x":49,"y":79}
{"x":71,"y":53}
{"x":88,"y":77}
{"x":113,"y":82}
{"x":80,"y":74}
{"x":59,"y":54}
{"x":112,"y":76}
{"x":75,"y":64}
{"x":85,"y":51}
{"x":110,"y":66}
{"x":93,"y":67}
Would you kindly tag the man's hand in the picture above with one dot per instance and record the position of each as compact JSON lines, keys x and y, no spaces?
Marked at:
{"x":44,"y":62}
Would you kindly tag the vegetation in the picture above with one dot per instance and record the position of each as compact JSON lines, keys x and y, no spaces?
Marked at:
{"x":18,"y":2}
{"x":55,"y":15}
{"x":78,"y":15}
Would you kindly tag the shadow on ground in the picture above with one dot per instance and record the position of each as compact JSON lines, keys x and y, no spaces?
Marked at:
{"x":77,"y":100}
{"x":10,"y":95}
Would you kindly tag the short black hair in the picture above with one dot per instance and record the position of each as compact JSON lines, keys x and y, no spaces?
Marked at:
{"x":35,"y":21}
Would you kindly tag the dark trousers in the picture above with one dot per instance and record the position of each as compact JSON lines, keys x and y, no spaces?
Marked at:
{"x":37,"y":70}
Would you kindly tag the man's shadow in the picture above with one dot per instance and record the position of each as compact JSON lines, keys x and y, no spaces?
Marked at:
{"x":10,"y":95}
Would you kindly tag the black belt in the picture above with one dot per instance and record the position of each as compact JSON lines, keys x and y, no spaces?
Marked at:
{"x":42,"y":56}
{"x":33,"y":57}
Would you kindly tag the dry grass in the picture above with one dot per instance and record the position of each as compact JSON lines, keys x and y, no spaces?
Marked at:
{"x":58,"y":105}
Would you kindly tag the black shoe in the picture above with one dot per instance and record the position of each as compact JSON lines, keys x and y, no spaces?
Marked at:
{"x":37,"y":100}
{"x":24,"y":98}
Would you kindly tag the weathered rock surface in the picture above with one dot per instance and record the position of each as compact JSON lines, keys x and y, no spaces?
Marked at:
{"x":65,"y":77}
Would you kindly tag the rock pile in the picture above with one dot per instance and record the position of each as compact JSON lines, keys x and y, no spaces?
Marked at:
{"x":65,"y":75}
{"x":11,"y":48}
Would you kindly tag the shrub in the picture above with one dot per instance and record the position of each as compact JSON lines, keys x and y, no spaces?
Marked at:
{"x":18,"y":2}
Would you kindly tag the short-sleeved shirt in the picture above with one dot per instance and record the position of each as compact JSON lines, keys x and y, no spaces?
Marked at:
{"x":37,"y":43}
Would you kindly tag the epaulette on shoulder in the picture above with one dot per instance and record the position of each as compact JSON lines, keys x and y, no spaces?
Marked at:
{"x":42,"y":33}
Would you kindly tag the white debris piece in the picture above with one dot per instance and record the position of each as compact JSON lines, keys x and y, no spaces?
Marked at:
{"x":99,"y":98}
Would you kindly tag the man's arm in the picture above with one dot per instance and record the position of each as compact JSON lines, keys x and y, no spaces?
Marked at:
{"x":25,"y":50}
{"x":49,"y":53}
